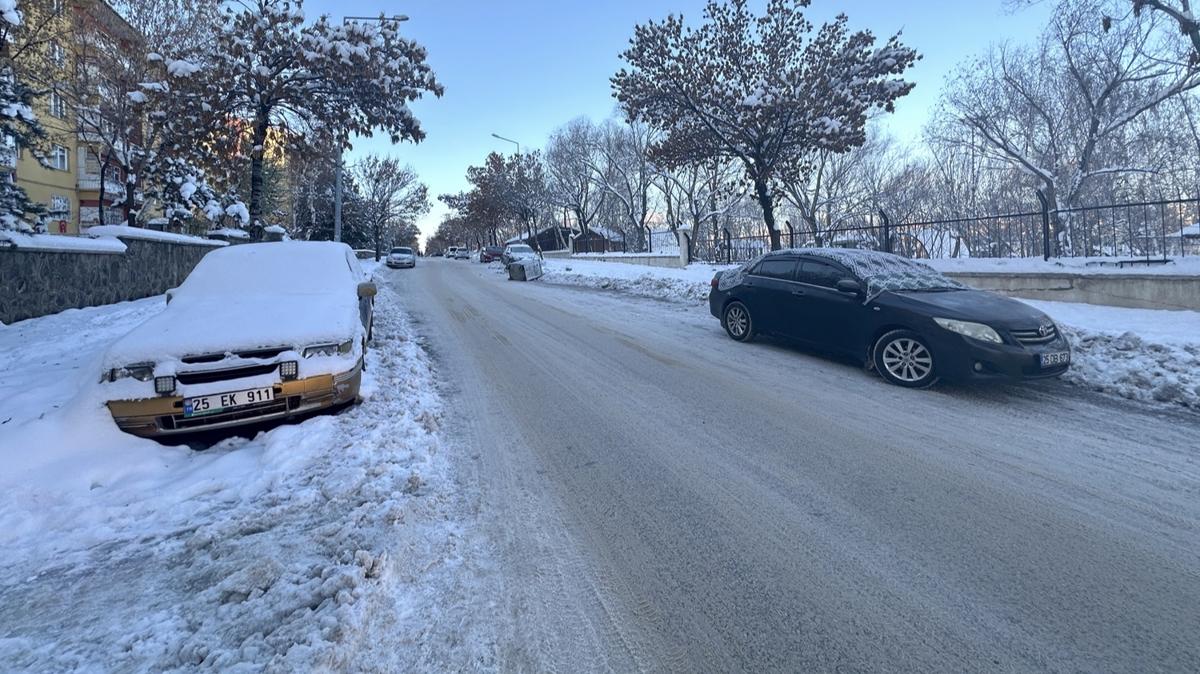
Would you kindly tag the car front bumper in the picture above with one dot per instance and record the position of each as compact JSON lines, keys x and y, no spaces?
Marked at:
{"x":163,"y":416}
{"x":965,"y":359}
{"x":402,"y":264}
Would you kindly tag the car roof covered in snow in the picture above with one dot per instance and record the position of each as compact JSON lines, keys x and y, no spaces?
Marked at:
{"x":277,"y":268}
{"x":290,"y":293}
{"x":878,"y":270}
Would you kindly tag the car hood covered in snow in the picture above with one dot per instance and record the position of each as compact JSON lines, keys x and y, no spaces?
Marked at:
{"x":980,"y":306}
{"x":269,"y":295}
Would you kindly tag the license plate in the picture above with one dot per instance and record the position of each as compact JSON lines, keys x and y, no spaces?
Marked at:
{"x":201,"y":405}
{"x":1054,"y":359}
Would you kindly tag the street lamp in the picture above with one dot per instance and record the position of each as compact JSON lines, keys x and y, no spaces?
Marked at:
{"x":337,"y":182}
{"x":530,"y":228}
{"x":509,"y":140}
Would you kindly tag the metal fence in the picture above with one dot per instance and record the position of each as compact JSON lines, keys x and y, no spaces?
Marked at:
{"x":1143,"y":232}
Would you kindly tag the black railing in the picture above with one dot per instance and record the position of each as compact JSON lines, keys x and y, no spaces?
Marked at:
{"x":1143,"y":232}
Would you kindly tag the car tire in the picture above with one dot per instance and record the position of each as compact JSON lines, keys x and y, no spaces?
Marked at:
{"x":903,"y":358}
{"x":737,"y":322}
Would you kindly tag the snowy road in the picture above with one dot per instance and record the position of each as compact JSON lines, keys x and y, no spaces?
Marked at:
{"x":662,"y":497}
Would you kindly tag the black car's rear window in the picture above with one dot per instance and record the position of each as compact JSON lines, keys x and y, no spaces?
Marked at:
{"x":775,"y":268}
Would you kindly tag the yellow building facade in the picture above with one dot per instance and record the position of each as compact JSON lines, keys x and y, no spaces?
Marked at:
{"x":66,"y":183}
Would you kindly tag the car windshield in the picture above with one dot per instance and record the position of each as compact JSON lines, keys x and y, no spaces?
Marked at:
{"x":881,"y":272}
{"x":520,"y":249}
{"x":402,"y":251}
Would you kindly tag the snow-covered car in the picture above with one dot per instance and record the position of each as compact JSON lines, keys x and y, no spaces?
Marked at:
{"x":490,"y":253}
{"x":401,"y":258}
{"x":257,"y":332}
{"x":517,"y":251}
{"x":908,"y":321}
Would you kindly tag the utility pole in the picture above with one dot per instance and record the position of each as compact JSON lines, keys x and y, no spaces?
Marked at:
{"x":337,"y":182}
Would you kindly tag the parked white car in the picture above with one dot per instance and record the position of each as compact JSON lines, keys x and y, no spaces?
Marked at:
{"x":401,"y":258}
{"x":256,"y":332}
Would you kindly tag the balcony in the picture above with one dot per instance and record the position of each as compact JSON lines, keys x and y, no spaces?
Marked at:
{"x":91,"y":182}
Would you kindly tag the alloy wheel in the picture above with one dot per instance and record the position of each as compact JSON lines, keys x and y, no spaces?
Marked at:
{"x":907,"y":359}
{"x":737,"y":321}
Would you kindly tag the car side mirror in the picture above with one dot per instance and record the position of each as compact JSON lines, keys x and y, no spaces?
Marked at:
{"x":849,"y":285}
{"x":366,"y":290}
{"x":170,"y":294}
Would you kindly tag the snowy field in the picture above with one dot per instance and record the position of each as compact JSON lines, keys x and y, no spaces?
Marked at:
{"x":1140,"y":354}
{"x":121,"y":554}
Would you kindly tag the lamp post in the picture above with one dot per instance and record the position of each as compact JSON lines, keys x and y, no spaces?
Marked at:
{"x":337,"y":181}
{"x":509,"y":140}
{"x":529,"y":229}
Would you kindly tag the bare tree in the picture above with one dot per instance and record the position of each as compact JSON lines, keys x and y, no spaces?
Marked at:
{"x":570,"y":155}
{"x":1059,"y":110}
{"x":393,"y":199}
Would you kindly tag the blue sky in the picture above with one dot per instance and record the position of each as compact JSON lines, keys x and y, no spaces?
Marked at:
{"x":522,"y":68}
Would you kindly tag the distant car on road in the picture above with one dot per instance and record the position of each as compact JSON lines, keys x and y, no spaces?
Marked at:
{"x":463,"y":253}
{"x":490,"y":254}
{"x":517,"y":251}
{"x":908,"y":321}
{"x":401,"y":258}
{"x":257,"y":332}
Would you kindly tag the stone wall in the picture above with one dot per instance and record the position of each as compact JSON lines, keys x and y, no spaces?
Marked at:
{"x":1133,"y":290}
{"x":673,"y":261}
{"x":37,"y":283}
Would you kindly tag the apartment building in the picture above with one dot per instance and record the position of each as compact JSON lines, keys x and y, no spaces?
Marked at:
{"x":68,"y":184}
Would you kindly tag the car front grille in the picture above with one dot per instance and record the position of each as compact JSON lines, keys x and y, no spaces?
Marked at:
{"x":1043,"y":335}
{"x":206,"y":376}
{"x":252,"y":354}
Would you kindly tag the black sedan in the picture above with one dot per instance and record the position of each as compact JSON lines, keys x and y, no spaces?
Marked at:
{"x":909,"y":322}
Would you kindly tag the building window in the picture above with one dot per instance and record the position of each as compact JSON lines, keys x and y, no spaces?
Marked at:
{"x":58,"y":105}
{"x":57,"y":55}
{"x":60,"y":158}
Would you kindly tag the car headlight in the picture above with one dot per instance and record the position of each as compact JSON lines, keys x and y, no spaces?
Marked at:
{"x":329,"y":349}
{"x":139,"y":371}
{"x":983,"y":333}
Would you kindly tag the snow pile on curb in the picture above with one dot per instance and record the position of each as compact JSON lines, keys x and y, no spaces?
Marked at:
{"x":1150,"y":355}
{"x":1141,"y":354}
{"x":273,"y":553}
{"x":680,"y":285}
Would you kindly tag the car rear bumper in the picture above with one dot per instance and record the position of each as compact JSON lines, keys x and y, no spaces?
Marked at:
{"x":964,"y":359}
{"x":163,"y":416}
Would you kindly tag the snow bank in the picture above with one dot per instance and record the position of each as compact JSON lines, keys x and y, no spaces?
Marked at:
{"x":689,"y":284}
{"x":1141,"y":354}
{"x":143,"y":234}
{"x":274,"y":553}
{"x":60,"y":243}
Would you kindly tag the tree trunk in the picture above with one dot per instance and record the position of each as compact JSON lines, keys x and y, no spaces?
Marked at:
{"x":100,"y":202}
{"x":130,"y":211}
{"x":262,"y":123}
{"x":766,"y":201}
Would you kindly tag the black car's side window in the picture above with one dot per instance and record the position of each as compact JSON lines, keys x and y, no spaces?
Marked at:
{"x":780,"y":269}
{"x":820,"y":274}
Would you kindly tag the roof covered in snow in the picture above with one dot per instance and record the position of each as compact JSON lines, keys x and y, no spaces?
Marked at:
{"x":127,"y":232}
{"x":229,"y":233}
{"x":59,"y":243}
